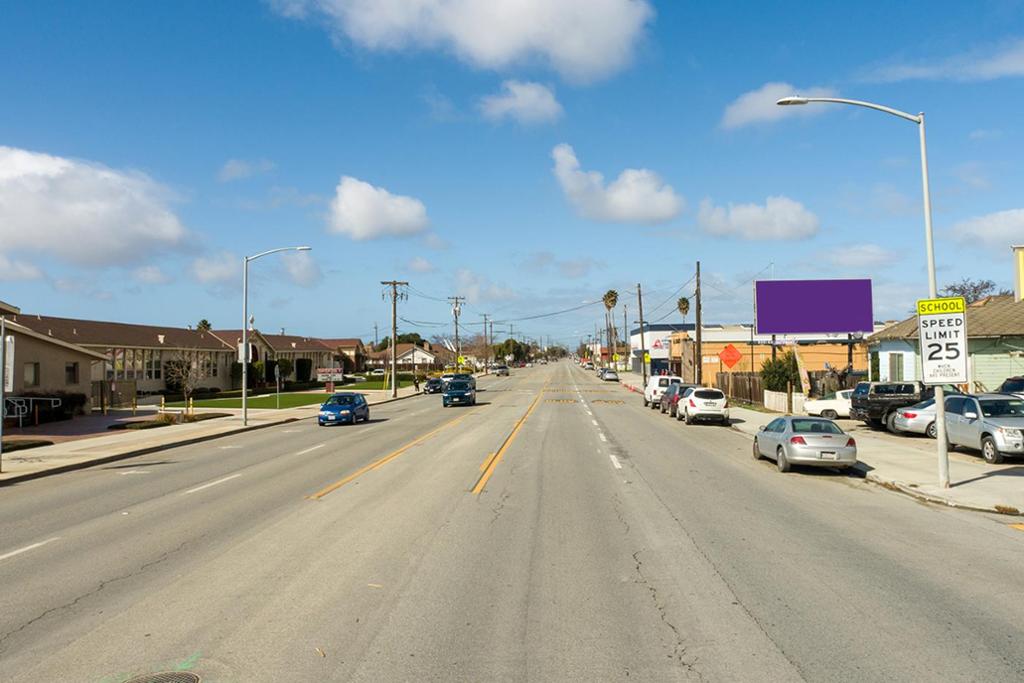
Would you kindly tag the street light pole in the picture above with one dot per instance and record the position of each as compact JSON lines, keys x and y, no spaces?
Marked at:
{"x":245,"y":324}
{"x":940,"y":407}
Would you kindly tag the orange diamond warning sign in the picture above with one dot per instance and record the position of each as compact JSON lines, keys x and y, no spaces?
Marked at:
{"x":730,"y":355}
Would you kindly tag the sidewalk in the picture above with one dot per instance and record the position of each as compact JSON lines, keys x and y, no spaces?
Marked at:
{"x":96,"y":450}
{"x":912,"y":466}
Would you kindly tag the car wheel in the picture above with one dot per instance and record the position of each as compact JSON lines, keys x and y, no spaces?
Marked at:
{"x":672,"y":411}
{"x":931,"y":431}
{"x":875,"y":423}
{"x":829,"y":414}
{"x":688,"y":419}
{"x":890,"y":422}
{"x":662,"y":406}
{"x":990,"y":452}
{"x":780,"y":460}
{"x":645,"y":403}
{"x":757,"y":451}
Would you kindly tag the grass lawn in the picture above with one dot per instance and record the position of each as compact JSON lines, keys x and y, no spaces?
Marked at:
{"x":372,"y":385}
{"x":288,"y":400}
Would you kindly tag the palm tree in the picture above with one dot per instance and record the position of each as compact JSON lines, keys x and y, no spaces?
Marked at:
{"x":610,"y":299}
{"x":683,"y":305}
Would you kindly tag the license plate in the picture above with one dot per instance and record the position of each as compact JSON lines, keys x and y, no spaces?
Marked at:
{"x":709,"y":404}
{"x":829,"y":455}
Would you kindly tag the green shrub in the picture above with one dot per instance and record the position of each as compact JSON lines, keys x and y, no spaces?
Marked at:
{"x":778,"y":374}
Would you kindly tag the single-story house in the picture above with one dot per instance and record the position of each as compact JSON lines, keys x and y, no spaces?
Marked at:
{"x":352,"y":349}
{"x":410,"y":356}
{"x":305,"y":353}
{"x":995,"y":345}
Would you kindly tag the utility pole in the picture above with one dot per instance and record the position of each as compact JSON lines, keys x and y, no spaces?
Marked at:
{"x":487,"y":359}
{"x":456,"y":311}
{"x":394,"y":285}
{"x":376,"y":341}
{"x":3,"y":383}
{"x":698,"y":366}
{"x":625,"y":331}
{"x":643,"y":344}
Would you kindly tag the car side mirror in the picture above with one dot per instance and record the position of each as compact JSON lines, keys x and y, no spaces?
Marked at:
{"x":762,"y":428}
{"x":971,"y":415}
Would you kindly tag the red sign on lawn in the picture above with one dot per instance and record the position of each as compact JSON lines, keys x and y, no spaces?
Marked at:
{"x":730,"y":355}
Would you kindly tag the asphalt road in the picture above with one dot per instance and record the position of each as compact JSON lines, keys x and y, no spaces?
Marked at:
{"x":604,"y":541}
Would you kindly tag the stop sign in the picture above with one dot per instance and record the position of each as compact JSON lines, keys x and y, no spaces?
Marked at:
{"x":730,"y":355}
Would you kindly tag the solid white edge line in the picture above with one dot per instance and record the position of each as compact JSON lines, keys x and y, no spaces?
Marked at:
{"x":615,"y":462}
{"x":311,"y":449}
{"x":603,"y":437}
{"x":212,"y":483}
{"x":19,"y":551}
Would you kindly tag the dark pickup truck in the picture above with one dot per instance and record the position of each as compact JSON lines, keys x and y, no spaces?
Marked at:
{"x":875,"y":403}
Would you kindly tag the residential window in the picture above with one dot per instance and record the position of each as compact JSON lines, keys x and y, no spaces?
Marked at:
{"x":139,"y":364}
{"x":118,"y":364}
{"x":70,"y":373}
{"x":895,"y":367}
{"x":153,"y":364}
{"x":31,"y":374}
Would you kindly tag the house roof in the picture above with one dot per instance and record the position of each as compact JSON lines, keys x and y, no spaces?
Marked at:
{"x":402,"y":349}
{"x":29,"y":332}
{"x":341,"y":343}
{"x":994,"y":316}
{"x":102,"y":333}
{"x":277,"y":342}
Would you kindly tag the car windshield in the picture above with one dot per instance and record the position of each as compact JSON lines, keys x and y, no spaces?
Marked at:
{"x":923,"y":405}
{"x":815,"y":427}
{"x":709,"y":394}
{"x":340,"y":401}
{"x":1002,"y":407}
{"x":1013,"y":386}
{"x":458,"y":386}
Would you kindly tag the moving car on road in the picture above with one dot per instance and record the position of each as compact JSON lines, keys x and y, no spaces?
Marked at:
{"x":446,"y":377}
{"x":917,"y":419}
{"x":701,"y":404}
{"x":811,"y":441}
{"x":344,"y":407}
{"x":991,"y":423}
{"x":458,"y":392}
{"x":831,"y":405}
{"x":433,"y":385}
{"x":465,"y":377}
{"x":656,"y":386}
{"x":501,"y":370}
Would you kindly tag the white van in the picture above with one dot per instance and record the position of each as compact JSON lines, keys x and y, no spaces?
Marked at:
{"x":656,"y":386}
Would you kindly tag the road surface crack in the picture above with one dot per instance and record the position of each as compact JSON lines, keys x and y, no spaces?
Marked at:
{"x":102,"y":585}
{"x":679,"y":646}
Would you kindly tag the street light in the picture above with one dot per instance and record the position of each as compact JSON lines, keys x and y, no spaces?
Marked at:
{"x":940,"y":408}
{"x":245,"y":324}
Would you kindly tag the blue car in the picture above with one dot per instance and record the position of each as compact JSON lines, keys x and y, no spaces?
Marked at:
{"x":459,"y":392}
{"x":345,"y":407}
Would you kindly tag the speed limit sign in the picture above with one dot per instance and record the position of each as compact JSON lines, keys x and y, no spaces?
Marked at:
{"x":942,"y":329}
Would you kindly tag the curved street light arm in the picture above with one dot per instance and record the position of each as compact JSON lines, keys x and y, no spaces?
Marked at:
{"x":858,"y":103}
{"x":274,"y":251}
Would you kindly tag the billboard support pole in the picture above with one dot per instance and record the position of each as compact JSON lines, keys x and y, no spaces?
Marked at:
{"x":643,"y":345}
{"x":698,"y":366}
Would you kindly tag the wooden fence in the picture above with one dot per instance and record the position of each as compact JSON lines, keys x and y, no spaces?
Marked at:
{"x":742,"y":386}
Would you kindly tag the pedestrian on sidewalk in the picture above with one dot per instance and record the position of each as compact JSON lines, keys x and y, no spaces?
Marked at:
{"x":416,"y":383}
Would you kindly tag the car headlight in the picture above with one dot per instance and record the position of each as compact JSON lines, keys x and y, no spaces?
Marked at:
{"x":1010,"y":432}
{"x":345,"y":412}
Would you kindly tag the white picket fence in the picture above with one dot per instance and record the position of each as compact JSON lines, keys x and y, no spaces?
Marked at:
{"x":776,"y":400}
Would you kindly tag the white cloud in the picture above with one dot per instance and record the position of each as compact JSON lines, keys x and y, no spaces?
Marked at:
{"x":479,"y":288}
{"x":150,"y":275}
{"x":581,"y":39}
{"x":545,"y":261}
{"x":237,"y":169}
{"x":779,"y":218}
{"x":365,"y":212}
{"x":985,"y":134}
{"x":434,"y":241}
{"x":636,"y":196}
{"x":1003,"y":61}
{"x":418,"y":264}
{"x":302,"y":268}
{"x":998,"y":230}
{"x":758,"y":106}
{"x":972,"y":174}
{"x":217,"y":268}
{"x":523,"y":101}
{"x":860,"y":256}
{"x":13,"y":271}
{"x":83,"y":213}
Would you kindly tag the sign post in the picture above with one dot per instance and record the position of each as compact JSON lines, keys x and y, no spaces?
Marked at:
{"x":6,"y":378}
{"x":942,"y":331}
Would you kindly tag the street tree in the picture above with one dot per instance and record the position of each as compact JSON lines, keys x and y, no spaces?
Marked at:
{"x":973,"y":290}
{"x":204,"y":325}
{"x":683,"y":305}
{"x":186,"y":369}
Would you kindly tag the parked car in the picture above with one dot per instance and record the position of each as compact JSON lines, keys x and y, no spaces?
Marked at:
{"x":433,"y":385}
{"x":990,"y":423}
{"x":876,"y":403}
{"x":702,"y":404}
{"x":377,"y":372}
{"x":588,"y":365}
{"x":458,"y":392}
{"x":1013,"y":385}
{"x":445,"y":378}
{"x":343,"y":407}
{"x":656,"y":386}
{"x":501,"y":370}
{"x":830,"y":406}
{"x":813,"y":441}
{"x":610,"y":376}
{"x":917,"y":419}
{"x":669,"y":400}
{"x":600,"y":372}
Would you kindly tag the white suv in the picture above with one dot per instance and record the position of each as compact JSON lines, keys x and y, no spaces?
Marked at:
{"x":656,"y":386}
{"x":705,"y":404}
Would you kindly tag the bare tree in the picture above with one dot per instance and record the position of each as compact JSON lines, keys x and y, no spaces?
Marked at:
{"x":186,"y":369}
{"x":973,"y":290}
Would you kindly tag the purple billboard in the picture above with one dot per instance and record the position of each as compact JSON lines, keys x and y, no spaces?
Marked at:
{"x":813,"y":306}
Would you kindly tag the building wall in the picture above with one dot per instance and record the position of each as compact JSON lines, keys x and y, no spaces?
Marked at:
{"x":990,"y":361}
{"x":146,"y":367}
{"x":52,"y":360}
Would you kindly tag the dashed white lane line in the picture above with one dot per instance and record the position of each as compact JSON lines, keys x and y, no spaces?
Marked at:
{"x":603,"y":437}
{"x":594,"y":422}
{"x":212,"y":483}
{"x":615,"y":462}
{"x":311,"y":449}
{"x":19,"y":551}
{"x":133,"y":472}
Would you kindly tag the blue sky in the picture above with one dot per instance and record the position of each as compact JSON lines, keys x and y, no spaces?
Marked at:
{"x":145,"y":147}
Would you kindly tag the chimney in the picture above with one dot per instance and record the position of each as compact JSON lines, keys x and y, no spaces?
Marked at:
{"x":1018,"y":272}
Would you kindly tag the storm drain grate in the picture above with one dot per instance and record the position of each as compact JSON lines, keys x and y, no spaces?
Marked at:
{"x":609,"y":401}
{"x":166,"y":677}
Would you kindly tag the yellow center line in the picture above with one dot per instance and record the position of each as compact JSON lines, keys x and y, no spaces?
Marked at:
{"x":387,"y":458}
{"x":491,"y":462}
{"x":1018,"y":527}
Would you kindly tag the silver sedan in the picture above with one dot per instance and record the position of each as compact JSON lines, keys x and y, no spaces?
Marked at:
{"x":917,"y":419}
{"x":794,"y":440}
